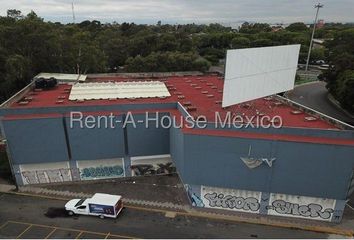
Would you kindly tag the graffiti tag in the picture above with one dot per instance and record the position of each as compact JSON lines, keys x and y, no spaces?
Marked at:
{"x":311,"y":210}
{"x":149,"y":169}
{"x":102,"y":171}
{"x":46,"y":176}
{"x":232,"y":202}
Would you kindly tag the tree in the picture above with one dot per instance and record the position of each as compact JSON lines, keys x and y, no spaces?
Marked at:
{"x":345,"y":89}
{"x":252,"y":28}
{"x":297,"y":27}
{"x":15,"y":14}
{"x":317,"y":54}
{"x":262,"y":43}
{"x":240,"y":42}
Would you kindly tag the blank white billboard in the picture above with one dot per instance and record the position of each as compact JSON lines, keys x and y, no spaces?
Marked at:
{"x":253,"y":73}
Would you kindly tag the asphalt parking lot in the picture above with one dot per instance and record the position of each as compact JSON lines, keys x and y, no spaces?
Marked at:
{"x":27,"y":217}
{"x":25,"y":230}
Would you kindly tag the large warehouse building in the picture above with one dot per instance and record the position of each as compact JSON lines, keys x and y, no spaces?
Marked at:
{"x":303,"y":169}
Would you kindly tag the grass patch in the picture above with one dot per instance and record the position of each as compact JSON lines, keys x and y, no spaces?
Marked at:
{"x":302,"y":80}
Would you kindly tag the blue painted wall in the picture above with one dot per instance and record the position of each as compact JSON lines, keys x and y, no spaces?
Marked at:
{"x":95,"y":143}
{"x":143,"y":141}
{"x":300,"y":169}
{"x":215,"y":161}
{"x":177,"y":150}
{"x":36,"y":140}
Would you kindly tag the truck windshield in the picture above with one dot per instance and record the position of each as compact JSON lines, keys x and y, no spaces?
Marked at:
{"x":80,"y":202}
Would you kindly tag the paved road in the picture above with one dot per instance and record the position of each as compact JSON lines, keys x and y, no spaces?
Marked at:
{"x":314,"y":95}
{"x":23,"y":217}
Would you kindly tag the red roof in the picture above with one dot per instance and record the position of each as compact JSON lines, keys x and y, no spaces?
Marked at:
{"x":200,"y":95}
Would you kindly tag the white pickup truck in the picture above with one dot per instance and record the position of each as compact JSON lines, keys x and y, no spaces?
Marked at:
{"x":100,"y":204}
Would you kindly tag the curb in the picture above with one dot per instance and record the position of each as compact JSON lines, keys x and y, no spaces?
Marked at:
{"x":186,"y":211}
{"x":306,"y":83}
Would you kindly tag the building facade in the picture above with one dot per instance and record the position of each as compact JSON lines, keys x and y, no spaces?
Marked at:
{"x":303,"y":169}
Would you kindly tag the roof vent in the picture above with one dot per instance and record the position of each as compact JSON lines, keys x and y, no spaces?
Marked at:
{"x":214,"y":87}
{"x":22,"y":103}
{"x":42,"y":83}
{"x":296,"y":112}
{"x":191,"y":108}
{"x":198,"y":87}
{"x":310,"y":119}
{"x":204,"y":92}
{"x":246,"y":105}
{"x":187,"y":103}
{"x":210,"y":95}
{"x":59,"y":102}
{"x":181,"y":97}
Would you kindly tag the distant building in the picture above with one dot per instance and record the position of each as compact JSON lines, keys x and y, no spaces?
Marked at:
{"x":320,"y":23}
{"x":277,"y":28}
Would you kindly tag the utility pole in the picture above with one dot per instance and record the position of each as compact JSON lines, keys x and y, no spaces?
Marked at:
{"x":318,"y":6}
{"x":73,"y":10}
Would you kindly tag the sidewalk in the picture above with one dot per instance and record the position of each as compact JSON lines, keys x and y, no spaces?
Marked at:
{"x":165,"y":194}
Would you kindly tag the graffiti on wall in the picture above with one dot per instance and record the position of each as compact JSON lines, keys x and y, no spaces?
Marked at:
{"x":232,"y":202}
{"x":227,"y":199}
{"x":101,"y":169}
{"x":152,"y":166}
{"x":99,"y":172}
{"x":273,"y":204}
{"x":46,"y":176}
{"x":301,"y":207}
{"x":195,"y":199}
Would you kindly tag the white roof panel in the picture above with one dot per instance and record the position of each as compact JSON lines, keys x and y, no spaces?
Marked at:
{"x":104,"y":199}
{"x":253,"y":73}
{"x":87,"y":91}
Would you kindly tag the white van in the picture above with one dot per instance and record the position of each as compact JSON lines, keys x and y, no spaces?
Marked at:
{"x":102,"y":205}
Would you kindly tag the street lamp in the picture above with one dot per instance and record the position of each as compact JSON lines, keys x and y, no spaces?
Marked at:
{"x":318,"y":6}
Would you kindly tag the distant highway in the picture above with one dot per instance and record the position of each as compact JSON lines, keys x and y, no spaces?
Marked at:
{"x":314,"y":95}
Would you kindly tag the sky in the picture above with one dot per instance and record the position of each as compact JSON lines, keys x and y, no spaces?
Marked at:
{"x":185,"y":11}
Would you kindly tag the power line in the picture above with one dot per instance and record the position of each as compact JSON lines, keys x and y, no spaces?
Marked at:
{"x":318,"y":6}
